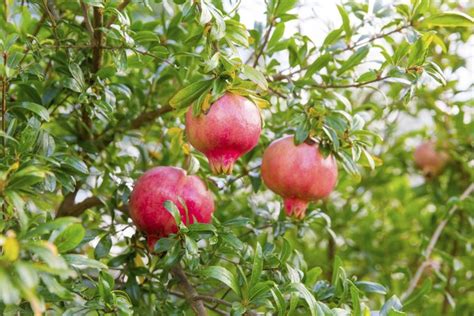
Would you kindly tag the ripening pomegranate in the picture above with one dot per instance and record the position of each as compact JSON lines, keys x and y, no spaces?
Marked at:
{"x":430,"y":160}
{"x":228,"y":130}
{"x":299,"y":174}
{"x":160,"y":184}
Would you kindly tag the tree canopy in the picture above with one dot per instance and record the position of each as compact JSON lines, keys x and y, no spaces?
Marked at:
{"x":94,"y":93}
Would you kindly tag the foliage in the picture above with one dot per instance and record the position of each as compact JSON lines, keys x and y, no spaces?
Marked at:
{"x":94,"y":93}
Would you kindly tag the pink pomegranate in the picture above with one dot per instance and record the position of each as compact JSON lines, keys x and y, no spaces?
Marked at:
{"x":430,"y":160}
{"x":160,"y":184}
{"x":230,"y":129}
{"x":299,"y":174}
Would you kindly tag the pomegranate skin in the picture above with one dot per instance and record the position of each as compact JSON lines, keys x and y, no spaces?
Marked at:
{"x":160,"y":184}
{"x":230,"y":129}
{"x":299,"y":174}
{"x":429,"y":159}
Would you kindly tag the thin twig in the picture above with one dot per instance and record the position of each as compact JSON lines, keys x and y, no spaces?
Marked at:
{"x":264,"y":44}
{"x":206,"y":298}
{"x":53,"y":16}
{"x":87,"y":21}
{"x":208,"y":306}
{"x":434,"y":239}
{"x":349,"y":85}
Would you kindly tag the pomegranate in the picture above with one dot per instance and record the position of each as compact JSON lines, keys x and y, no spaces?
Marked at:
{"x":430,"y":160}
{"x":299,"y":174}
{"x":228,"y":130}
{"x":160,"y":184}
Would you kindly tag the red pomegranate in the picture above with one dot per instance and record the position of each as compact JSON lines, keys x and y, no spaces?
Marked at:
{"x":430,"y":160}
{"x":299,"y":174}
{"x":230,"y":129}
{"x":160,"y":184}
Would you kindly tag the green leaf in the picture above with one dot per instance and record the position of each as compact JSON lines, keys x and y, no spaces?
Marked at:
{"x":164,"y":244}
{"x":173,"y":210}
{"x":370,"y":159}
{"x":349,"y":165}
{"x":257,"y":266}
{"x":75,"y":164}
{"x":332,"y":37}
{"x":312,"y":275}
{"x":186,"y":96}
{"x":69,"y":238}
{"x":418,"y":294}
{"x":50,"y":226}
{"x":206,"y":15}
{"x":401,"y":52}
{"x":72,"y":84}
{"x":279,"y":301}
{"x":276,"y":36}
{"x":331,"y":134}
{"x":255,"y":76}
{"x":367,"y":76}
{"x":354,"y":60}
{"x":371,"y":287}
{"x":302,"y":132}
{"x":77,"y":74}
{"x":356,"y":310}
{"x":308,"y":297}
{"x":146,"y":37}
{"x":83,"y":262}
{"x":346,"y":24}
{"x":448,"y":19}
{"x":318,"y":64}
{"x":436,"y":72}
{"x":35,"y":108}
{"x":9,"y":294}
{"x":212,"y":63}
{"x":285,"y":252}
{"x":284,"y":6}
{"x":191,"y":246}
{"x":223,"y":275}
{"x":260,"y":290}
{"x":202,"y":227}
{"x":393,"y":303}
{"x":103,"y":247}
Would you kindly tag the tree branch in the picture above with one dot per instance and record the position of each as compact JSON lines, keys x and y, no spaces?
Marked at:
{"x":120,"y":8}
{"x":434,"y":239}
{"x":69,"y":208}
{"x":150,"y":116}
{"x":97,"y":39}
{"x":188,"y":290}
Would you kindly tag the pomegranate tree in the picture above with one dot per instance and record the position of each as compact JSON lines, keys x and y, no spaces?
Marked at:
{"x":430,"y":160}
{"x":299,"y":173}
{"x":228,"y":130}
{"x":160,"y":184}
